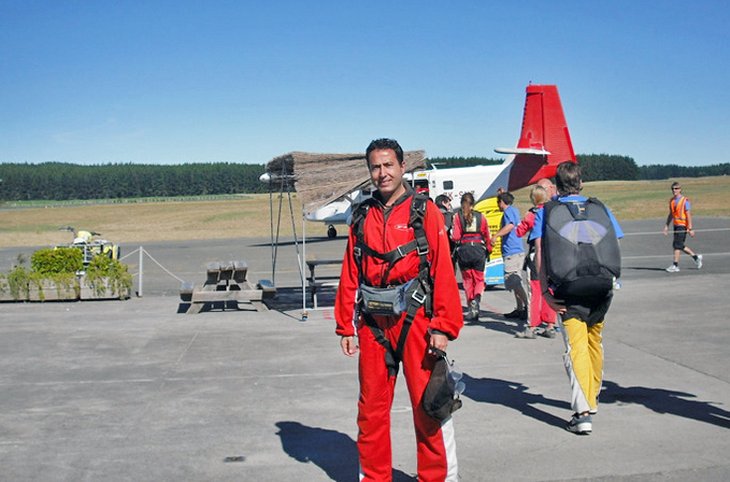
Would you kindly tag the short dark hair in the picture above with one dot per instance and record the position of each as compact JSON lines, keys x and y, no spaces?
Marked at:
{"x":568,"y":178}
{"x":506,"y":197}
{"x":442,"y":199}
{"x":384,"y":143}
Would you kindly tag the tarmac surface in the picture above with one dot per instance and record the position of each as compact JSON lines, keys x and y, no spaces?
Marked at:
{"x":134,"y":390}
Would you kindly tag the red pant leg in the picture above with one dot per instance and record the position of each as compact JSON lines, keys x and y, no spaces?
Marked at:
{"x":548,"y":314}
{"x":473,"y":280}
{"x":436,"y":447}
{"x":373,"y":419}
{"x":536,"y":302}
{"x":478,"y":282}
{"x":540,"y":311}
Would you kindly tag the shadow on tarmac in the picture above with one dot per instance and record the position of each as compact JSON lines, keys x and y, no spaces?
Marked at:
{"x":494,"y":325}
{"x":322,"y":239}
{"x":642,"y":268}
{"x":666,"y":401}
{"x":514,"y":395}
{"x":332,"y":451}
{"x":495,"y":322}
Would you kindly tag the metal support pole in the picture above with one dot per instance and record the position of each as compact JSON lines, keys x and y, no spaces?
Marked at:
{"x":305,"y":315}
{"x":141,"y":269}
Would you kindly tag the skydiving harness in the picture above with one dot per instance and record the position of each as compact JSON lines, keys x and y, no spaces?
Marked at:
{"x":393,"y":300}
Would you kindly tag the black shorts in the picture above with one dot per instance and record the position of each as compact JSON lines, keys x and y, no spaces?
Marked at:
{"x":588,"y":310}
{"x":680,"y":236}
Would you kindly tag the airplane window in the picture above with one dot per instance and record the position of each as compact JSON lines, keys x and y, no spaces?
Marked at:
{"x":448,"y":184}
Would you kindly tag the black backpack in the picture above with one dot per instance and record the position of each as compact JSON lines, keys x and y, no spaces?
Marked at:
{"x":472,"y":254}
{"x":580,"y":248}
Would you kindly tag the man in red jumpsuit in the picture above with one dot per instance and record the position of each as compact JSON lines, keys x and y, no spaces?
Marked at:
{"x":385,"y":228}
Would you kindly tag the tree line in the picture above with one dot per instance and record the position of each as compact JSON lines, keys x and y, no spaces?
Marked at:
{"x":605,"y":167}
{"x":66,"y":181}
{"x":63,"y":181}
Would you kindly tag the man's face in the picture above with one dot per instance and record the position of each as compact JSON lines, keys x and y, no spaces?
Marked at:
{"x":677,"y":190}
{"x":386,"y":172}
{"x":502,"y":205}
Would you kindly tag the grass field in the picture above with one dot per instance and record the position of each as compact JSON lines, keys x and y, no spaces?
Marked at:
{"x":248,"y":216}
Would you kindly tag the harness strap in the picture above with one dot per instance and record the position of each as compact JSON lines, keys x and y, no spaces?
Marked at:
{"x":420,"y":296}
{"x":391,"y":256}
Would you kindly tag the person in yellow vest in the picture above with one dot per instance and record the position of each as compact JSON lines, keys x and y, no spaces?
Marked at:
{"x":681,"y":216}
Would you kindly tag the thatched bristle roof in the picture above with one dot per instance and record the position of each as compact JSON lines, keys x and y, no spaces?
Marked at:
{"x":323,"y":178}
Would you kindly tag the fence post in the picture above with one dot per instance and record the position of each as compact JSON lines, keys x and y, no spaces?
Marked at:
{"x":141,"y":263}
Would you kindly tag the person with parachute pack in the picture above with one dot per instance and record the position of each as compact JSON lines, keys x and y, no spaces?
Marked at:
{"x":540,"y":312}
{"x":471,"y":234}
{"x":398,"y":294}
{"x":443,"y":202}
{"x":578,"y":242}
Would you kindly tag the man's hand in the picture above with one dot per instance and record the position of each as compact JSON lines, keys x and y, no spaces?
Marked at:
{"x":665,"y":230}
{"x":554,"y":304}
{"x":438,"y":341}
{"x":349,"y":345}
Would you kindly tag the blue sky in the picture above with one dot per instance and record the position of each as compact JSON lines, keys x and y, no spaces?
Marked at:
{"x":199,"y":81}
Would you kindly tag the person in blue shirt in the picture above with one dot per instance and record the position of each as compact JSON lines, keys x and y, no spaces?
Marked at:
{"x":513,"y":254}
{"x":581,"y":319}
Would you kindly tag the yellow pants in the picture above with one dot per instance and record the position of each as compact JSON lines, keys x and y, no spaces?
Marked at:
{"x":583,"y":361}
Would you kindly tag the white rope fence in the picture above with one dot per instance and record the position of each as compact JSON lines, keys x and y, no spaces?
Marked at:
{"x":708,"y":230}
{"x":140,"y":273}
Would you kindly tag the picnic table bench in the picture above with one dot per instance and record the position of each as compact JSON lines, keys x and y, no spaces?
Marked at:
{"x":316,"y":283}
{"x":226,"y":286}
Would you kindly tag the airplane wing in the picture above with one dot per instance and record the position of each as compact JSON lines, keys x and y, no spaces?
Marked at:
{"x":323,"y":178}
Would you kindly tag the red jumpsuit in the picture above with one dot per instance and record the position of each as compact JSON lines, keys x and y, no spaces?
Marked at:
{"x":540,"y":311}
{"x":384,"y":230}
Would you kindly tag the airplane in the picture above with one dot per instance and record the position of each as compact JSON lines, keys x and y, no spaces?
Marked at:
{"x":543,"y":144}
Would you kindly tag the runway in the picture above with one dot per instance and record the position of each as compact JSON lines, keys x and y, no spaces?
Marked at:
{"x":132,"y":390}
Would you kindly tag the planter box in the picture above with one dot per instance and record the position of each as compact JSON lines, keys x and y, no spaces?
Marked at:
{"x":5,"y":294}
{"x":89,"y":292}
{"x":50,"y":291}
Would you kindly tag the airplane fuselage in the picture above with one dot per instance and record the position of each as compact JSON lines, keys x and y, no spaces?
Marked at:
{"x":482,"y":181}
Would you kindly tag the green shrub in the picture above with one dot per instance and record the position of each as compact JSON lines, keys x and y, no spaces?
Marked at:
{"x":103,"y":270}
{"x":18,"y":280}
{"x":63,"y":283}
{"x":51,"y":261}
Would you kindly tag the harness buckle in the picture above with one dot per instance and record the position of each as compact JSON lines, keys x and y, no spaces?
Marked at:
{"x":401,"y":254}
{"x":419,"y":297}
{"x":422,"y":251}
{"x":357,"y":251}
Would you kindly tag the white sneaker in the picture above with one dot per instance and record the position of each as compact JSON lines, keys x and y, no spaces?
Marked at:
{"x":673,"y":269}
{"x":699,"y":261}
{"x":580,"y":425}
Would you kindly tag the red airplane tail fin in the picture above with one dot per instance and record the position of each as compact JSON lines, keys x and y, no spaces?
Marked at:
{"x":544,"y":141}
